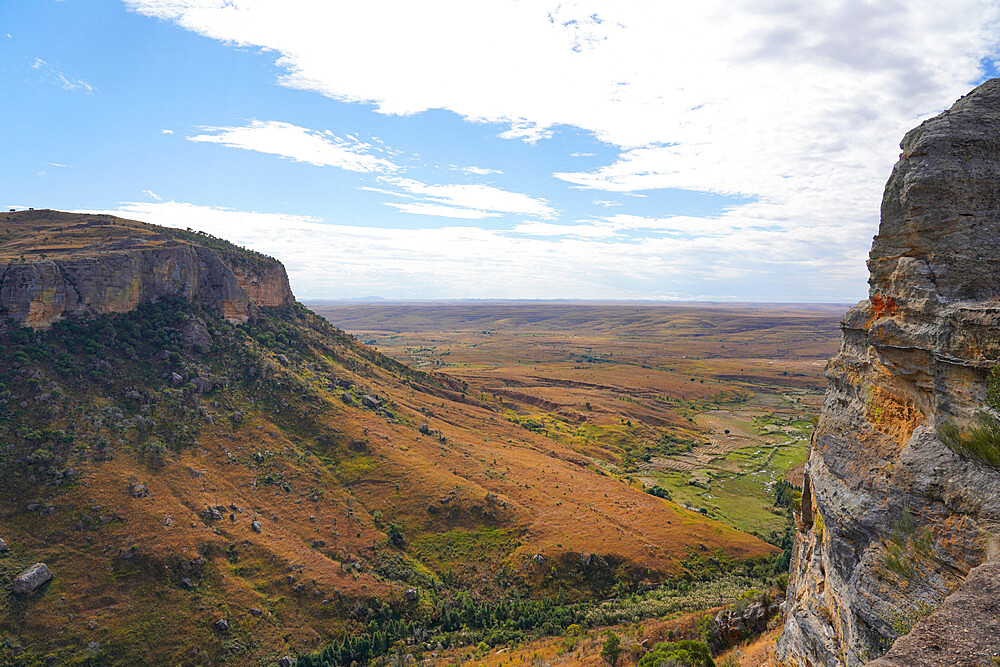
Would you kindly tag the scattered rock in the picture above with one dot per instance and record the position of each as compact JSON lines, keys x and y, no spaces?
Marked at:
{"x":93,"y":648}
{"x":347,"y":398}
{"x":411,"y":594}
{"x":3,"y":547}
{"x":255,"y":526}
{"x":370,"y":401}
{"x":425,"y":429}
{"x":187,"y":583}
{"x":221,"y":625}
{"x":282,"y":358}
{"x":287,"y":661}
{"x":139,"y":490}
{"x":176,"y":379}
{"x":538,"y":559}
{"x":31,"y":579}
{"x":212,"y":514}
{"x":256,"y":613}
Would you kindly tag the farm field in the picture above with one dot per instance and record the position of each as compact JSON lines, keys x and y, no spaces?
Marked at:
{"x":709,"y":405}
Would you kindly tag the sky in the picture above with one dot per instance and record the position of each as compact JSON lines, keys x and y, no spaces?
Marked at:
{"x":518,"y":149}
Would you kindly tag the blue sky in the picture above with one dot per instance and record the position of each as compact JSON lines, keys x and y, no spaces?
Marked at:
{"x":495,"y":149}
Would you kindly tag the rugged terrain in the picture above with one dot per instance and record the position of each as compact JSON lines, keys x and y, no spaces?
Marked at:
{"x":213,"y":474}
{"x":897,"y":520}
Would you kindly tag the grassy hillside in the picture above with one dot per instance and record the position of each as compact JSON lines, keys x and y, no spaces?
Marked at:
{"x":173,"y":469}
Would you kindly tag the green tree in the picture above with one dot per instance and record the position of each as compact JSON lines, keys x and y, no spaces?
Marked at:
{"x":612,"y":649}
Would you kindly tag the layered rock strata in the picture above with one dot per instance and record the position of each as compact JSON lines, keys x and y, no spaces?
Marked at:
{"x":81,"y":273}
{"x":893,"y":520}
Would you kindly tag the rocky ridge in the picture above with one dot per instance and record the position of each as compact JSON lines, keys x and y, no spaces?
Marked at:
{"x":893,"y":520}
{"x":55,"y":265}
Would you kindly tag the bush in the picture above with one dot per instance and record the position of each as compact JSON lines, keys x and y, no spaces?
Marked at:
{"x":612,"y":649}
{"x":685,"y":653}
{"x":981,"y":442}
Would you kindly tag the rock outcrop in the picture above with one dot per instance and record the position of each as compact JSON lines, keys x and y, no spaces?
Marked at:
{"x":893,"y":520}
{"x":55,"y":265}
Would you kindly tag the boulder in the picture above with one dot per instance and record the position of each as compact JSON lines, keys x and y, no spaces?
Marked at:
{"x":287,"y":661}
{"x":370,"y":401}
{"x":139,"y":490}
{"x":255,"y":526}
{"x":425,"y":429}
{"x":3,"y":547}
{"x":221,"y":625}
{"x":195,"y":336}
{"x":203,"y":385}
{"x":31,"y":579}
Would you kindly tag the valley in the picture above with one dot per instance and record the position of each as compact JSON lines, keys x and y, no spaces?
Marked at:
{"x":710,"y":405}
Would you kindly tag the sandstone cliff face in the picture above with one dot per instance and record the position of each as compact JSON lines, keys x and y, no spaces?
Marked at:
{"x":84,"y":274}
{"x":893,"y":520}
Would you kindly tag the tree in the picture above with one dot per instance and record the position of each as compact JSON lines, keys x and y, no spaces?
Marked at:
{"x":612,"y":649}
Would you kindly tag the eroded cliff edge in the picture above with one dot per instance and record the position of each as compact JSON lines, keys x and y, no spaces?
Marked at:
{"x":55,"y":265}
{"x":892,"y":519}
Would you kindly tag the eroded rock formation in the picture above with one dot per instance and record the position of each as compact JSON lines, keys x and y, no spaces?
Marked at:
{"x":897,"y":519}
{"x":55,"y":265}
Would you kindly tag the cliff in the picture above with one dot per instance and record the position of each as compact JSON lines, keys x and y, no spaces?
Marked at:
{"x":55,"y":265}
{"x":893,"y":519}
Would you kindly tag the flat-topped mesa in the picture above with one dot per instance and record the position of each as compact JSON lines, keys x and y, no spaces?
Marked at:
{"x":55,"y":265}
{"x":898,"y":519}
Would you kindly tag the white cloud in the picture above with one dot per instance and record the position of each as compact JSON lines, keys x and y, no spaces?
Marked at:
{"x":606,"y":203}
{"x":535,"y":228}
{"x":533,"y":260}
{"x":61,"y":165}
{"x":298,"y":144}
{"x":56,"y":77}
{"x":797,"y":106}
{"x":165,"y":131}
{"x":583,"y":154}
{"x":152,"y":195}
{"x":468,"y":200}
{"x":424,"y":208}
{"x":479,"y":171}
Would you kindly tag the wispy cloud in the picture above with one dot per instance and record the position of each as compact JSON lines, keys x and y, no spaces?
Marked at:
{"x":478,"y":171}
{"x":152,"y":195}
{"x":467,"y":200}
{"x":56,"y":77}
{"x":165,"y":131}
{"x":60,"y":165}
{"x":320,"y":148}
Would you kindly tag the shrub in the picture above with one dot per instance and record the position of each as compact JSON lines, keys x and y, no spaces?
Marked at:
{"x":612,"y":649}
{"x":685,"y":653}
{"x":981,"y":442}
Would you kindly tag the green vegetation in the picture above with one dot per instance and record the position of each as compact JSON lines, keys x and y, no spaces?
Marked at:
{"x":612,"y":649}
{"x":685,"y":653}
{"x":981,"y":442}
